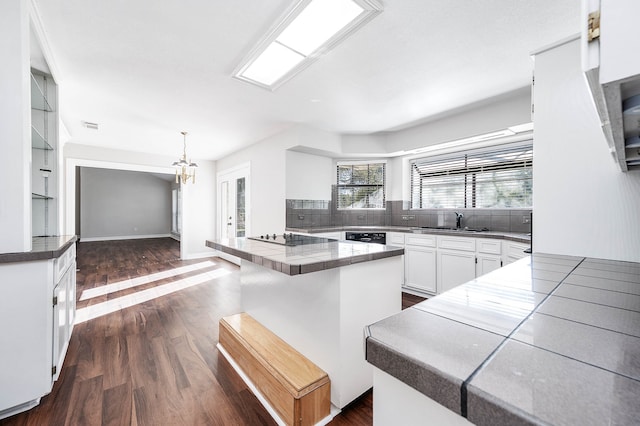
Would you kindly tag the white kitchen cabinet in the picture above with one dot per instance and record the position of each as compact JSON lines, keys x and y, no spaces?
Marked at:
{"x":420,"y":263}
{"x":455,"y":268}
{"x":420,"y":268}
{"x":456,"y":261}
{"x":513,"y":251}
{"x":37,"y":310}
{"x":613,"y":73}
{"x":488,"y":255}
{"x":396,"y":239}
{"x":64,"y":308}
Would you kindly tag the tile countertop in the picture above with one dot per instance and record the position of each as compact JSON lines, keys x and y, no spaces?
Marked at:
{"x":546,"y":340}
{"x":305,"y":258}
{"x":42,"y":248}
{"x":511,"y":236}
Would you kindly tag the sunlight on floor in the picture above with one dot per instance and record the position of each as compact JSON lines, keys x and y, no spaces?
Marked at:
{"x":129,"y":283}
{"x":104,"y":308}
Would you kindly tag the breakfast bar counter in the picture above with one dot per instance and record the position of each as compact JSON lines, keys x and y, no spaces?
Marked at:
{"x":293,"y":257}
{"x":318,"y":295}
{"x":548,"y":339}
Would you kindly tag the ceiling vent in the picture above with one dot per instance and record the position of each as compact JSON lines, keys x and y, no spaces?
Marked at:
{"x":88,"y":125}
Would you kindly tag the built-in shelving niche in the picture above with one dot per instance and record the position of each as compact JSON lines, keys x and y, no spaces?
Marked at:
{"x":44,"y":142}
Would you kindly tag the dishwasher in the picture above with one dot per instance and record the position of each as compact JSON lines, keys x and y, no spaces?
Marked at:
{"x":367,"y":237}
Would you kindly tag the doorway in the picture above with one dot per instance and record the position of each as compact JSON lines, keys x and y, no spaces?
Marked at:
{"x":233,"y":202}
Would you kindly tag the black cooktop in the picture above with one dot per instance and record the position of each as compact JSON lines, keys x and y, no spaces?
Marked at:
{"x":291,"y":239}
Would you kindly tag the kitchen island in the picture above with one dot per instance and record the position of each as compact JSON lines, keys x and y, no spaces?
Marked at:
{"x":548,"y":339}
{"x":318,"y":297}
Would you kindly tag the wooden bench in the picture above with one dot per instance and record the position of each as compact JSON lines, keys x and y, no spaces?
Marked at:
{"x":297,"y":389}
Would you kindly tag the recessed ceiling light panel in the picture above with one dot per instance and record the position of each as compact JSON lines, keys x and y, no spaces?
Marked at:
{"x":307,"y":30}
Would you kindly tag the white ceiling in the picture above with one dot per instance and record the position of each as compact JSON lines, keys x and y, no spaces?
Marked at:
{"x":147,"y":69}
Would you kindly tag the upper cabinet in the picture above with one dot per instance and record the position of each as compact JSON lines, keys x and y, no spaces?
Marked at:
{"x":44,"y":154}
{"x":612,"y":67}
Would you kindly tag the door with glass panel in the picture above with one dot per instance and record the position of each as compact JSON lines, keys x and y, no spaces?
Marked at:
{"x":233,"y":201}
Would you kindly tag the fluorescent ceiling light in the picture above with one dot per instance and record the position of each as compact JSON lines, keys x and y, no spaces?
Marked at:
{"x":307,"y":30}
{"x":272,"y":64}
{"x":317,"y":23}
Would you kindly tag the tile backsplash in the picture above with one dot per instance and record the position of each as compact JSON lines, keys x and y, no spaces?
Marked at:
{"x":323,"y":213}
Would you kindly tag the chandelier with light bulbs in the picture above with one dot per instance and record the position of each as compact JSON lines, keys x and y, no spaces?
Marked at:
{"x":185,"y":170}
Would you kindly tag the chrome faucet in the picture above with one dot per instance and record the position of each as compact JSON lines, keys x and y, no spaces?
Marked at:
{"x":459,"y":217}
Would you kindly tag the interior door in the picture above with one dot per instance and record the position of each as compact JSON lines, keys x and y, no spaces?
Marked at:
{"x":233,"y":202}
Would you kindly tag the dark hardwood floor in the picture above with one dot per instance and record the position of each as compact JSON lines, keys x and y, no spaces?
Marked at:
{"x":144,"y":352}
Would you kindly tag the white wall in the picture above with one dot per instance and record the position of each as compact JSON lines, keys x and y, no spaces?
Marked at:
{"x":365,"y":144}
{"x":583,"y":205}
{"x":308,"y":177}
{"x":198,"y":200}
{"x":15,"y":132}
{"x":395,"y":179}
{"x":123,"y":204}
{"x":491,"y":115}
{"x":199,"y":212}
{"x":268,"y":162}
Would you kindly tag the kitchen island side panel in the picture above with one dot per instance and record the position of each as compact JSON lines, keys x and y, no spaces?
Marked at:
{"x":323,"y":314}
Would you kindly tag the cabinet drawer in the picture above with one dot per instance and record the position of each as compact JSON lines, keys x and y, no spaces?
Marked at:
{"x":420,"y":240}
{"x":488,"y":246}
{"x":395,"y":239}
{"x":515,"y":250}
{"x":62,"y":263}
{"x":457,"y":243}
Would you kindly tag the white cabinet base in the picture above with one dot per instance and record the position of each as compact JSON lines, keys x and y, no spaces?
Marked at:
{"x":420,"y":268}
{"x":395,"y":403}
{"x":36,"y":330}
{"x":323,"y":314}
{"x":455,"y":268}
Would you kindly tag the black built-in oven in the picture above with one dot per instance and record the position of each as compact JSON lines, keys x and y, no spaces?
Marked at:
{"x":367,"y":237}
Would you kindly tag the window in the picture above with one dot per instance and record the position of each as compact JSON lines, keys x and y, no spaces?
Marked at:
{"x":176,"y":196}
{"x":496,"y":178}
{"x":361,"y":185}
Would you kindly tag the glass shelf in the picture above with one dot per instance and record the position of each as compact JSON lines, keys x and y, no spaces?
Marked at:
{"x":35,"y":196}
{"x":38,"y":141}
{"x":38,"y":98}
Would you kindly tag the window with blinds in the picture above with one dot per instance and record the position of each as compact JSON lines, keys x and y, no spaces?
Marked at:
{"x":361,"y":185}
{"x":496,"y":178}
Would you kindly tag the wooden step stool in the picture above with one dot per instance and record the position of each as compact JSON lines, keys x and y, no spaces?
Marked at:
{"x":297,"y":389}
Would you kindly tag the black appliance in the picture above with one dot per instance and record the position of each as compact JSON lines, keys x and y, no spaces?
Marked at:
{"x":291,"y":239}
{"x":530,"y":249}
{"x":367,"y":237}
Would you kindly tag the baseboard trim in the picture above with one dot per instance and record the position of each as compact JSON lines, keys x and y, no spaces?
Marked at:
{"x":228,"y":257}
{"x":200,"y":255}
{"x":124,"y":237}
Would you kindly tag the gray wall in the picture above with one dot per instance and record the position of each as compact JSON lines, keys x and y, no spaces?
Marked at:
{"x":119,"y":203}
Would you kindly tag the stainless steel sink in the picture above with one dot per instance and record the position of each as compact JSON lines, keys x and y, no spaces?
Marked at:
{"x":428,"y":229}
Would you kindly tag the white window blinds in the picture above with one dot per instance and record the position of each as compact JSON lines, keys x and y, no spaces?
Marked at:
{"x":361,"y":186}
{"x":497,"y":178}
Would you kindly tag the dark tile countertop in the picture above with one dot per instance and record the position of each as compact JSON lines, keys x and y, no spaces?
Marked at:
{"x":498,"y":235}
{"x":545,"y":340}
{"x":42,"y":248}
{"x":306,"y":258}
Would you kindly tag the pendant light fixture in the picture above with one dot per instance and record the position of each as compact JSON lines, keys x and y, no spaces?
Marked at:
{"x":185,"y":170}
